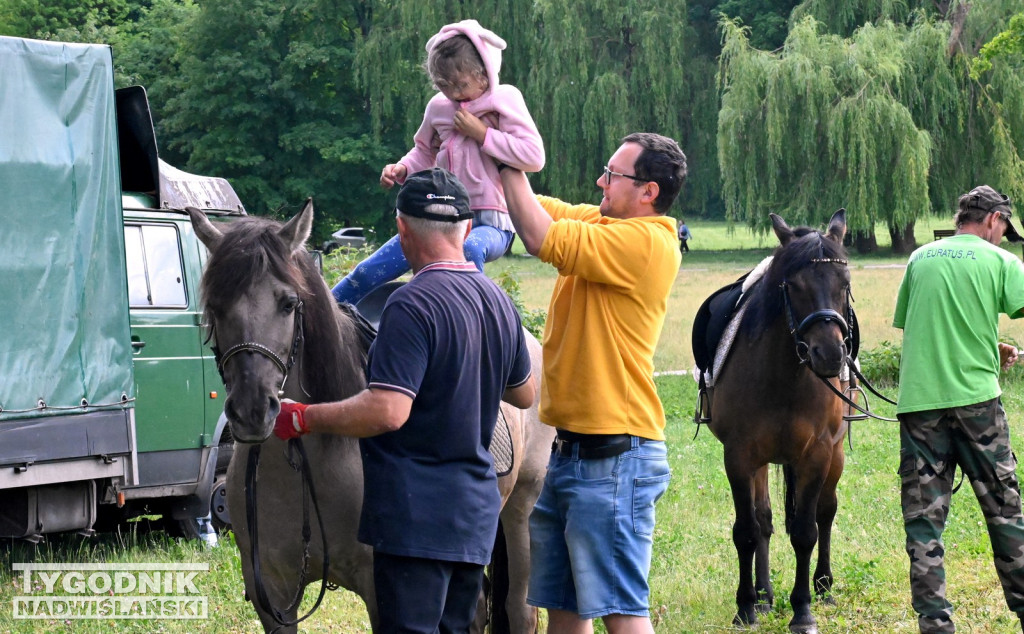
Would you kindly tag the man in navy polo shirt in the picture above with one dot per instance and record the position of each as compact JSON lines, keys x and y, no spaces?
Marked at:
{"x":449,"y":348}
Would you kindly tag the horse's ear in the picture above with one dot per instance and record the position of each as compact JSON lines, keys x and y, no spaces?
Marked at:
{"x":208,"y":233}
{"x":837,"y":226}
{"x":782,"y":230}
{"x":296,"y":231}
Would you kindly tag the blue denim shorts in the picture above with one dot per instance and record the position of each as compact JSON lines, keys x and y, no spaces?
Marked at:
{"x":592,"y":530}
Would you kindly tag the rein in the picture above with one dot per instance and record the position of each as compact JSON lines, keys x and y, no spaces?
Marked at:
{"x":865,"y":411}
{"x":308,"y":494}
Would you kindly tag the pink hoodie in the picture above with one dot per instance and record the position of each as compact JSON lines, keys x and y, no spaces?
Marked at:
{"x":512,"y":136}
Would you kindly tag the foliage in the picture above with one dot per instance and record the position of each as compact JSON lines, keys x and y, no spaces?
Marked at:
{"x":148,"y":52}
{"x":868,"y":123}
{"x":791,"y":122}
{"x":881,"y":365}
{"x":313,"y":97}
{"x":1008,"y":43}
{"x":62,"y":19}
{"x":270,"y":105}
{"x":768,"y":20}
{"x":533,"y":318}
{"x":844,"y":18}
{"x":339,"y":262}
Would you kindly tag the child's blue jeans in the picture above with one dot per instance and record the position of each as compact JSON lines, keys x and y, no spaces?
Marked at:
{"x":484,"y":244}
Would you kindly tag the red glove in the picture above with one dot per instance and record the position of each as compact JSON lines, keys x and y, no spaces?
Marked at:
{"x":291,"y":422}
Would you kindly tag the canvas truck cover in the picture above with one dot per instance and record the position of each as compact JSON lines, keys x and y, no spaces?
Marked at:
{"x":64,"y":334}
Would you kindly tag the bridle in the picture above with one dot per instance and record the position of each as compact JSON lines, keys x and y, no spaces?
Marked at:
{"x":298,"y":460}
{"x":828,"y":315}
{"x":259,"y":348}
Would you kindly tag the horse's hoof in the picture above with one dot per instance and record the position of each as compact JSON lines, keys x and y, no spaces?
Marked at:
{"x":803,"y":626}
{"x":745,"y":618}
{"x":827,"y":599}
{"x":763,"y":607}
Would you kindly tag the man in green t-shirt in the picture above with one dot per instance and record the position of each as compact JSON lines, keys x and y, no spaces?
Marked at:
{"x":949,"y":409}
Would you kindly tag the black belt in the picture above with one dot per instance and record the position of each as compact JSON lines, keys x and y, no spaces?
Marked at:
{"x":589,"y":446}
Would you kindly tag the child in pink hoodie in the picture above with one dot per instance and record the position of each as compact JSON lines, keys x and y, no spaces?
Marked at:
{"x":473,"y":124}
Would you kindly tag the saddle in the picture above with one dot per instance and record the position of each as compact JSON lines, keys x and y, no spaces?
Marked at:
{"x":709,"y":325}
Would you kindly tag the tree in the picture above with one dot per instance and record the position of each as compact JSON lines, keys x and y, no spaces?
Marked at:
{"x":891,"y":91}
{"x":269,"y":103}
{"x":818,"y":126}
{"x":1007,"y":44}
{"x":61,"y":19}
{"x":148,"y":52}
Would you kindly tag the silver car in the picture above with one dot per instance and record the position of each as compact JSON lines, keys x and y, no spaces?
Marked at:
{"x":347,"y":237}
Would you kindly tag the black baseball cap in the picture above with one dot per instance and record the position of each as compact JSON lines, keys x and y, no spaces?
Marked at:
{"x":434,"y":186}
{"x":989,"y":200}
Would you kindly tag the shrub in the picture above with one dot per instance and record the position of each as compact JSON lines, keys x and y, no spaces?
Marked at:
{"x":881,"y":365}
{"x":533,"y":320}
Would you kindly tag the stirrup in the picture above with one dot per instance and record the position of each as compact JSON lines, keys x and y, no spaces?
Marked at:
{"x":850,"y":393}
{"x":702,"y":413}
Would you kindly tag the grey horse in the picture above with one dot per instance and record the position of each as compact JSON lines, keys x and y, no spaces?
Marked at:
{"x":268,"y":305}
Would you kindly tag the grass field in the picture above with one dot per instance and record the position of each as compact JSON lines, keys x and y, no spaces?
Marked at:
{"x":694,"y":571}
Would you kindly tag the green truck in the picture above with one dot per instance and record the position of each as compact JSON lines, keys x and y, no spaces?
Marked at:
{"x":111,"y":405}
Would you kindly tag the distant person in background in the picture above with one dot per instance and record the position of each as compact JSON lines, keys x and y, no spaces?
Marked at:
{"x":470,"y":126}
{"x":949,"y":408}
{"x":684,"y":235}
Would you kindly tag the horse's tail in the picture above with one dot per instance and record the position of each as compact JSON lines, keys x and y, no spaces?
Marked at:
{"x":789,"y":488}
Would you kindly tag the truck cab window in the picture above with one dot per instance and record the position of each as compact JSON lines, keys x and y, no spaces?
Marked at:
{"x":155,"y":276}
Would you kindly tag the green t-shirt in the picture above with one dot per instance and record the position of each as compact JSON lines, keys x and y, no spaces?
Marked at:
{"x":948,"y":307}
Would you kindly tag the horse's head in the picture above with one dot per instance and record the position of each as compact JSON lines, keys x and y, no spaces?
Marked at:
{"x":254,"y":290}
{"x":811,"y":270}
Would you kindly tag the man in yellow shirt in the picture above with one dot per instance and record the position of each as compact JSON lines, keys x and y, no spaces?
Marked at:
{"x":592,"y":529}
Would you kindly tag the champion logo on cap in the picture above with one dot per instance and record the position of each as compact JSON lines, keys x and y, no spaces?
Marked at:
{"x":435,"y":186}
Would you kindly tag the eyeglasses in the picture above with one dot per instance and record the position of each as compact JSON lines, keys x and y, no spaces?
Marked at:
{"x":608,"y":176}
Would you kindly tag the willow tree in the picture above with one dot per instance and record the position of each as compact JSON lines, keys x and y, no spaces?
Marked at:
{"x":603,"y":69}
{"x":974,"y":117}
{"x":818,"y":126}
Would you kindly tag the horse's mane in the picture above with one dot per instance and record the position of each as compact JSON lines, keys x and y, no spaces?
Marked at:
{"x":252,"y":251}
{"x":765,"y":304}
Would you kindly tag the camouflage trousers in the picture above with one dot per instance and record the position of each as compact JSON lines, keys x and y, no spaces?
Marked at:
{"x":932,"y":444}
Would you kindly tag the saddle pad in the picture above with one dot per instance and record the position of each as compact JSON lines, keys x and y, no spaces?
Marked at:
{"x":501,"y":446}
{"x":724,"y":346}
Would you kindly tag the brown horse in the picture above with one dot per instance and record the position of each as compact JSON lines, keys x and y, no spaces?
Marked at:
{"x":771,"y":405}
{"x":279,"y":333}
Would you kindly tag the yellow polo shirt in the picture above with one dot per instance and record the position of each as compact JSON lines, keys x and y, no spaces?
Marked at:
{"x":605,"y":318}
